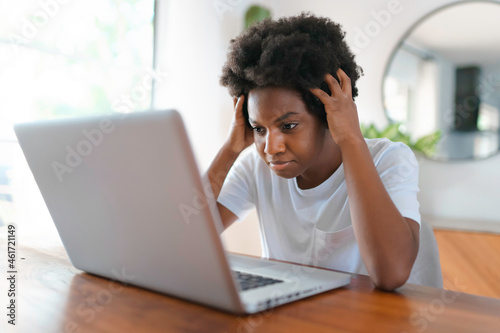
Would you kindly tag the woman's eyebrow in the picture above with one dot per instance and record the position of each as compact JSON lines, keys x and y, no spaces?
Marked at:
{"x":281,"y":118}
{"x":286,"y":115}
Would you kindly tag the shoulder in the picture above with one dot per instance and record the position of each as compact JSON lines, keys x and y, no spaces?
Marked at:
{"x":384,"y":149}
{"x":394,"y":161}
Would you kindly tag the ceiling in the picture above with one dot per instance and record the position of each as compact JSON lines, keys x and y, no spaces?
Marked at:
{"x":464,"y":33}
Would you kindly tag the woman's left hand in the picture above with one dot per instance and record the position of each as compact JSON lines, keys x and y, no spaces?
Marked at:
{"x":341,"y":111}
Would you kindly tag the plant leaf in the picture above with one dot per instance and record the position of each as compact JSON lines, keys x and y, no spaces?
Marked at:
{"x":372,"y":133}
{"x":255,"y":14}
{"x":427,"y":144}
{"x":391,"y":132}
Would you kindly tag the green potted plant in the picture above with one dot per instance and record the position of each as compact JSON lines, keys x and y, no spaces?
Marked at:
{"x":256,"y":13}
{"x":425,"y":145}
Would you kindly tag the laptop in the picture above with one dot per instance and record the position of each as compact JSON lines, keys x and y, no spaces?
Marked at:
{"x":129,"y":204}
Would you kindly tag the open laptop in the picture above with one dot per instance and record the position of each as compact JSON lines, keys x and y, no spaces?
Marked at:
{"x":129,"y":204}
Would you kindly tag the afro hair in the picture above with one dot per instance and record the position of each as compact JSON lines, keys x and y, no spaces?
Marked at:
{"x":294,"y":52}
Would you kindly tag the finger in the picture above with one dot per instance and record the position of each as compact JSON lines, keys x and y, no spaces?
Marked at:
{"x":345,"y":82}
{"x":239,"y":106}
{"x":320,"y":93}
{"x":238,"y":102}
{"x":236,"y":99}
{"x":333,"y":84}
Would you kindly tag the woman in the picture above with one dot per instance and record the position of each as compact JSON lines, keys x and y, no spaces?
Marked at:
{"x":325,"y":196}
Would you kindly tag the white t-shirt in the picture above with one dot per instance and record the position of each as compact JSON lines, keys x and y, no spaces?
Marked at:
{"x":314,"y":226}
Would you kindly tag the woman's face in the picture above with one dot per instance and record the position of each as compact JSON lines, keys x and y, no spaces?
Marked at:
{"x":292,"y":141}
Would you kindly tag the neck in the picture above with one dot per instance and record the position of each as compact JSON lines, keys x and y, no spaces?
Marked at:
{"x":328,"y":162}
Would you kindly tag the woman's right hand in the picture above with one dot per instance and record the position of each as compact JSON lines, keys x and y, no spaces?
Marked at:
{"x":240,"y":135}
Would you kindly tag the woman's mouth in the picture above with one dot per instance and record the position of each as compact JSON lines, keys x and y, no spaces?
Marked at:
{"x":279,"y":165}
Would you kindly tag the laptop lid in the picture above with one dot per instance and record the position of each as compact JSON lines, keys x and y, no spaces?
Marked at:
{"x":127,"y":200}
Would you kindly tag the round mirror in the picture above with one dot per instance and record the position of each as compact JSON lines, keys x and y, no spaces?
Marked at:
{"x":444,"y":76}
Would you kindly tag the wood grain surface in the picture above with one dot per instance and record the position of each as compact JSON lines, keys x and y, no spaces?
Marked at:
{"x":53,"y":296}
{"x":470,"y":262}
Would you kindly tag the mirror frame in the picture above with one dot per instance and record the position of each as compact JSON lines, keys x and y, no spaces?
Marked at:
{"x":396,"y":48}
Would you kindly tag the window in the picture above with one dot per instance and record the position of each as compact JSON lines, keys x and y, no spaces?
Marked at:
{"x":61,"y":58}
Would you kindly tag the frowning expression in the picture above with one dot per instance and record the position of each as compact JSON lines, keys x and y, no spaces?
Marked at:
{"x":291,"y":140}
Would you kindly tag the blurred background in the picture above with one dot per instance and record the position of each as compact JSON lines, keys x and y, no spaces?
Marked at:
{"x":64,"y":59}
{"x":61,"y":58}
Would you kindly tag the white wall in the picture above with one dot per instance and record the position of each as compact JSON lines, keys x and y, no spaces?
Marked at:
{"x":198,"y":33}
{"x":191,"y":54}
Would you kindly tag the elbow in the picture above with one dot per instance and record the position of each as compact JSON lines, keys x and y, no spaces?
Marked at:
{"x":389,"y":281}
{"x":389,"y":284}
{"x":391,"y":273}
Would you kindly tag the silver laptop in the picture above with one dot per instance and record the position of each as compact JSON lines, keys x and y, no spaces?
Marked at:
{"x":129,"y":204}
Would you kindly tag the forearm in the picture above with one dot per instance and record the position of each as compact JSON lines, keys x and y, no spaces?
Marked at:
{"x":216,"y":174}
{"x":219,"y":168}
{"x":385,"y":238}
{"x":240,"y":136}
{"x":388,"y":242}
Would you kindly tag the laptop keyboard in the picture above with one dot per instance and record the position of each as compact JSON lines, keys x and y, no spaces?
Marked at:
{"x":249,"y":281}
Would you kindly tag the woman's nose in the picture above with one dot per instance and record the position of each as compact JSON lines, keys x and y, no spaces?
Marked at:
{"x":275,"y":144}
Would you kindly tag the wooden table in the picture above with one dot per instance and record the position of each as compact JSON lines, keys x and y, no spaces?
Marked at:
{"x":53,"y":296}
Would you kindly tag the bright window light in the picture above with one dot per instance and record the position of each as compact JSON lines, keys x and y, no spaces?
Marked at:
{"x":65,"y":59}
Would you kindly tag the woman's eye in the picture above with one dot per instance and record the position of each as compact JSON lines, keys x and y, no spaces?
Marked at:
{"x":289,"y":126}
{"x":258,"y":130}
